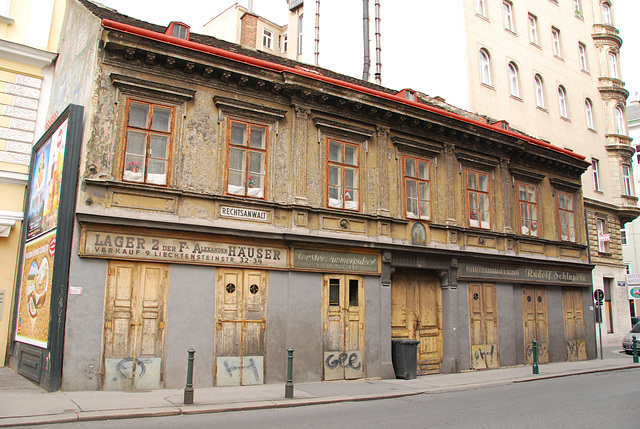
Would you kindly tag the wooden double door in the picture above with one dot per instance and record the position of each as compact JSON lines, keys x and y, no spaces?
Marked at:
{"x":416,"y":314}
{"x":134,"y":325}
{"x":241,"y":321}
{"x":483,"y":330}
{"x":535,"y":319}
{"x":574,"y":330}
{"x":343,"y":326}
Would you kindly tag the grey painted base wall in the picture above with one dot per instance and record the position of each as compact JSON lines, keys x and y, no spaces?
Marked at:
{"x":294,"y":319}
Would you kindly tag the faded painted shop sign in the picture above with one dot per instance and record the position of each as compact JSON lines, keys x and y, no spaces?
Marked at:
{"x":524,"y":274}
{"x":112,"y":245}
{"x":323,"y":260}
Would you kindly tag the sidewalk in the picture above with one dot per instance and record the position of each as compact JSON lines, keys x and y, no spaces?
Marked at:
{"x":24,"y":403}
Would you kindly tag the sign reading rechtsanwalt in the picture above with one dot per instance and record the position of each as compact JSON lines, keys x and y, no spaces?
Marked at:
{"x":178,"y":250}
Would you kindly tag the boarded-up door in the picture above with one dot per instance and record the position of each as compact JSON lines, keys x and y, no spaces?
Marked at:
{"x":343,"y":326}
{"x":534,"y":315}
{"x":241,"y":310}
{"x":416,"y":314}
{"x":574,"y":332}
{"x":483,"y":316}
{"x":135,"y":317}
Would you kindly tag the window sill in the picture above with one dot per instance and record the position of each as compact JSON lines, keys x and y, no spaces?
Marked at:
{"x":6,"y":20}
{"x":535,"y":45}
{"x":488,"y":86}
{"x":484,"y":18}
{"x":579,"y":16}
{"x":542,"y":109}
{"x":517,"y":98}
{"x":592,"y":130}
{"x":598,"y":191}
{"x":564,"y":118}
{"x":558,"y":57}
{"x":587,"y":72}
{"x":513,"y":33}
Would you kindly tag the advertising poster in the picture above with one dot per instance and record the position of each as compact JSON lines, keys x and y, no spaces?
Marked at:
{"x":45,"y":179}
{"x":35,"y":291}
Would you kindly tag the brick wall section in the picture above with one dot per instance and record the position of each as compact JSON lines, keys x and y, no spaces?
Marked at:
{"x":249,"y":31}
{"x":19,"y":95}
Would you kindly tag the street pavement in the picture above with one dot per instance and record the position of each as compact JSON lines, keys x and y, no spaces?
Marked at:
{"x":24,"y":403}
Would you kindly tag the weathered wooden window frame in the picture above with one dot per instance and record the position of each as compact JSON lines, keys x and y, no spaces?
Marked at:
{"x":343,"y":166}
{"x":569,"y":214}
{"x":529,"y":204}
{"x":480,"y":193}
{"x":128,"y":169}
{"x":248,"y":149}
{"x":418,"y":181}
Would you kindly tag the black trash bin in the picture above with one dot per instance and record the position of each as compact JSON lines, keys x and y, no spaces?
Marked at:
{"x":404,"y":356}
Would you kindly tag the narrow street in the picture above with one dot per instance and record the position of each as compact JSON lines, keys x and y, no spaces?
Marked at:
{"x":605,"y":399}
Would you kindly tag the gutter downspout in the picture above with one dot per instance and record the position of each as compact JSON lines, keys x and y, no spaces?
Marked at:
{"x":127,"y":28}
{"x":365,"y":36}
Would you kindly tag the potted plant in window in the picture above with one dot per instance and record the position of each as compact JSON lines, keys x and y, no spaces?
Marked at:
{"x":133,"y":172}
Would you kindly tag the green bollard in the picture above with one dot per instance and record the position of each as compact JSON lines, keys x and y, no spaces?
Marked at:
{"x":635,"y":349}
{"x":535,"y":357}
{"x":288,"y":387}
{"x":188,"y":390}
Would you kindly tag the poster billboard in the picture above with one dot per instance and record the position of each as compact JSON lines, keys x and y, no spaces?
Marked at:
{"x":35,"y":291}
{"x":42,"y":283}
{"x":45,"y":179}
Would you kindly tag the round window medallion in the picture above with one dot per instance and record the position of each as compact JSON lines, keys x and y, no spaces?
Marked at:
{"x":253,"y":289}
{"x":529,"y":298}
{"x":231,"y":288}
{"x":475,"y":296}
{"x":539,"y":299}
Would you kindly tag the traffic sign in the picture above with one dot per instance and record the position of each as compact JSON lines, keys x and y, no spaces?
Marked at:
{"x":598,"y":294}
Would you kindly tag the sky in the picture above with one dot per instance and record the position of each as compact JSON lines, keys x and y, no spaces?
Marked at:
{"x":196,"y":13}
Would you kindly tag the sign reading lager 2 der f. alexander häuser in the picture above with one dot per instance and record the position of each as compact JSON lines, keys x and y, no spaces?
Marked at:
{"x":103,"y":244}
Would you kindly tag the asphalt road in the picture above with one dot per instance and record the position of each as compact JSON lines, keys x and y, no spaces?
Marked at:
{"x":607,"y":399}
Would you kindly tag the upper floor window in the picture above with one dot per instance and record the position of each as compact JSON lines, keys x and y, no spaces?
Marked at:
{"x":562,"y":102}
{"x":613,"y":64}
{"x":623,"y":241}
{"x":588,"y":110}
{"x":285,"y":43}
{"x":267,"y":38}
{"x":246,"y":171}
{"x":606,"y":14}
{"x":343,"y":172}
{"x":507,"y":15}
{"x":626,"y":180}
{"x":485,"y":67}
{"x":299,"y":51}
{"x":481,"y":8}
{"x":582,"y":54}
{"x":417,"y":188}
{"x":533,"y":29}
{"x":603,"y":237}
{"x":528,"y":210}
{"x":539,"y":87}
{"x":619,"y":117}
{"x":514,"y":87}
{"x":577,"y":7}
{"x":567,"y":217}
{"x":5,"y":5}
{"x":595,"y":166}
{"x":149,"y":134}
{"x":555,"y":42}
{"x":478,"y":199}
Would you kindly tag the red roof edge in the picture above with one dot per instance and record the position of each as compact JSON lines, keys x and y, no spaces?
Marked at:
{"x":115,"y":25}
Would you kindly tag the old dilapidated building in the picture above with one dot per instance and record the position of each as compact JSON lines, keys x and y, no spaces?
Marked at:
{"x":239,"y":204}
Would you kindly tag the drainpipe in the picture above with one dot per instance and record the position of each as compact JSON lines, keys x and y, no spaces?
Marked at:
{"x":316,"y":53}
{"x":378,"y":75}
{"x":365,"y":34}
